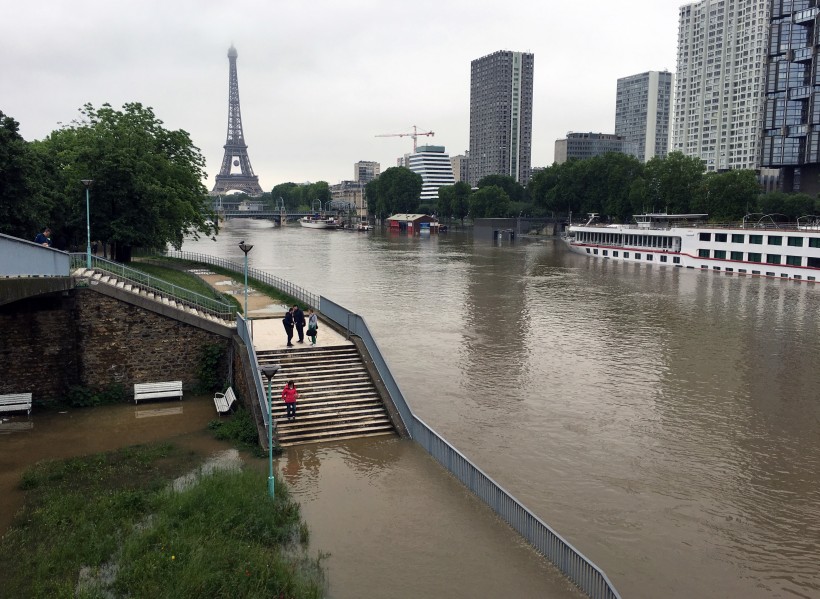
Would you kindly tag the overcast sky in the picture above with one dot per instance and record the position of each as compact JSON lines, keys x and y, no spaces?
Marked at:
{"x":318,"y":80}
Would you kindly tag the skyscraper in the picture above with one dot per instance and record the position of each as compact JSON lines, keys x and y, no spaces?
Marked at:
{"x":433,"y":164}
{"x":719,"y":83}
{"x":642,"y":110}
{"x":791,"y":122}
{"x":501,"y":115}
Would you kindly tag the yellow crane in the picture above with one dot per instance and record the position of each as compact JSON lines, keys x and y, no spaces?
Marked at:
{"x":415,"y":134}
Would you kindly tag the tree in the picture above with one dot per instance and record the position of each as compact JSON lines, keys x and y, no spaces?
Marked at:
{"x":147,"y":189}
{"x":673,"y":182}
{"x":727,"y":196}
{"x":397,"y":190}
{"x":444,"y":203}
{"x":289,"y":194}
{"x":489,"y":202}
{"x":460,"y":207}
{"x":792,"y":205}
{"x":26,"y":196}
{"x":513,"y":189}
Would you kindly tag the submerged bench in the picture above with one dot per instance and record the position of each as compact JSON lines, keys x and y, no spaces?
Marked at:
{"x":224,"y":401}
{"x":157,"y":390}
{"x":14,"y":402}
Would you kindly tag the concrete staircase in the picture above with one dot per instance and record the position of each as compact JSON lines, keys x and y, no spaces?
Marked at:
{"x":337,"y":398}
{"x":96,"y":277}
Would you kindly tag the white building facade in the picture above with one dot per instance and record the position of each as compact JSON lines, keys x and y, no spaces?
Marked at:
{"x":643,"y":110}
{"x":719,"y":88}
{"x":433,"y":164}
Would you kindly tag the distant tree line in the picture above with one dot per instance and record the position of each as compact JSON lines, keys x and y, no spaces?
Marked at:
{"x":147,"y":188}
{"x":617,"y":186}
{"x":300,"y":197}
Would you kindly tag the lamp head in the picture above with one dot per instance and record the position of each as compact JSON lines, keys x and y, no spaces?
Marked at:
{"x":269,"y":370}
{"x":245,"y":247}
{"x":87,"y":182}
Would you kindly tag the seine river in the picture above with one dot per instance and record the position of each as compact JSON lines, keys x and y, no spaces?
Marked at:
{"x":666,"y":422}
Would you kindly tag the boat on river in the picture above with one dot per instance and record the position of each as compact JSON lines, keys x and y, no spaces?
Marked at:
{"x":759,"y":247}
{"x":317,"y":221}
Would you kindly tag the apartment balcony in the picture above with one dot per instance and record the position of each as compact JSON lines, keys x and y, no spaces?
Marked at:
{"x":798,"y":130}
{"x":802,"y":55}
{"x":800,"y":93}
{"x":804,"y":16}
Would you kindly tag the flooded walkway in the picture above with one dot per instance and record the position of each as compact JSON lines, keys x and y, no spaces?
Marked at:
{"x":395,"y":524}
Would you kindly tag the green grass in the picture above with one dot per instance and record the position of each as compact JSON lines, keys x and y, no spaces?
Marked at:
{"x":240,"y":429}
{"x":179,"y":278}
{"x":259,"y":286}
{"x":113,"y":517}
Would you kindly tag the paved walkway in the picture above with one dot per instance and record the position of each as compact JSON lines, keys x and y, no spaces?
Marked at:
{"x":266,"y":314}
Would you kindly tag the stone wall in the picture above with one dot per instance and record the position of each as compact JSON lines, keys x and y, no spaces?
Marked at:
{"x":82,"y":337}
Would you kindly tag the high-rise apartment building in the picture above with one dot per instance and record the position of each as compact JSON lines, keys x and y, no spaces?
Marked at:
{"x":642,"y":111}
{"x":719,"y":84}
{"x":433,"y":164}
{"x":791,"y":120}
{"x":586,"y":145}
{"x":365,"y":171}
{"x":501,"y":115}
{"x":461,"y":167}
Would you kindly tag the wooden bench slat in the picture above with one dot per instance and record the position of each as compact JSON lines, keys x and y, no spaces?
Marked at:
{"x":157,"y":390}
{"x":224,"y":401}
{"x":12,"y":402}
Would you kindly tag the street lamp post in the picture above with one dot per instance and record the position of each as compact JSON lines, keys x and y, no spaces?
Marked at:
{"x":270,"y":370}
{"x":87,"y":183}
{"x":245,"y":248}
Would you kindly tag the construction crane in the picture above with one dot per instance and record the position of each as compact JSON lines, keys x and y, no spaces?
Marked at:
{"x":415,"y":134}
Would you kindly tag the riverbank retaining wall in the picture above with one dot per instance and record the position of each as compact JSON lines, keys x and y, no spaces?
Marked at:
{"x":81,"y":337}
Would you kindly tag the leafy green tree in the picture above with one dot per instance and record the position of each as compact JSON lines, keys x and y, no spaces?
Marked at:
{"x":674,"y":182}
{"x":727,"y":196}
{"x":444,"y":203}
{"x":460,"y":206}
{"x":148,"y":181}
{"x":792,"y":205}
{"x":513,"y":189}
{"x":26,"y":184}
{"x":289,"y":194}
{"x":489,"y":202}
{"x":397,"y":191}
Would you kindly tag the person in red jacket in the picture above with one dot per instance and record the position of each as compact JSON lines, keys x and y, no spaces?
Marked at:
{"x":289,"y":396}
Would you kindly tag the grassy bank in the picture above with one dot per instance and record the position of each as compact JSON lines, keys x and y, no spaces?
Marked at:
{"x":110,"y":525}
{"x":259,"y":286}
{"x":173,"y":273}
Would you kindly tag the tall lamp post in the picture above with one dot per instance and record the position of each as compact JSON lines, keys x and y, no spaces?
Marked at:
{"x":245,"y":248}
{"x":270,"y":370}
{"x":87,"y":183}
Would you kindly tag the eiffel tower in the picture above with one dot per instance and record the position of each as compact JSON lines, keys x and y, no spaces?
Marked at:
{"x":236,"y":150}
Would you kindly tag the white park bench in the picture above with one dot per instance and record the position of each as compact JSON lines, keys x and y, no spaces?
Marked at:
{"x":13,"y":402}
{"x":224,"y":401}
{"x":157,"y":390}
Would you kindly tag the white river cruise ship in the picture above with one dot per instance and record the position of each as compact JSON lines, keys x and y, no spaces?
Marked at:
{"x":759,"y":247}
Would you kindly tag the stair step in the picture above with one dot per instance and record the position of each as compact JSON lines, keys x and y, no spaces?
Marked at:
{"x":324,"y":412}
{"x":321,"y":435}
{"x":337,"y":438}
{"x":300,"y":425}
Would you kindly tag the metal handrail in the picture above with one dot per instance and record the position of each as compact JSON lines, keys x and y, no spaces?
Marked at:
{"x":578,"y":568}
{"x":309,"y":299}
{"x":155,"y":285}
{"x":244,"y":332}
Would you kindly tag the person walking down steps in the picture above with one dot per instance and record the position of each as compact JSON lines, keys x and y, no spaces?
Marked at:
{"x":289,"y":396}
{"x":313,"y":326}
{"x":287,"y":322}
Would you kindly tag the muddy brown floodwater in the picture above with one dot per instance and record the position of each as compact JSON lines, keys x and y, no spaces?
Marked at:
{"x":393,"y":522}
